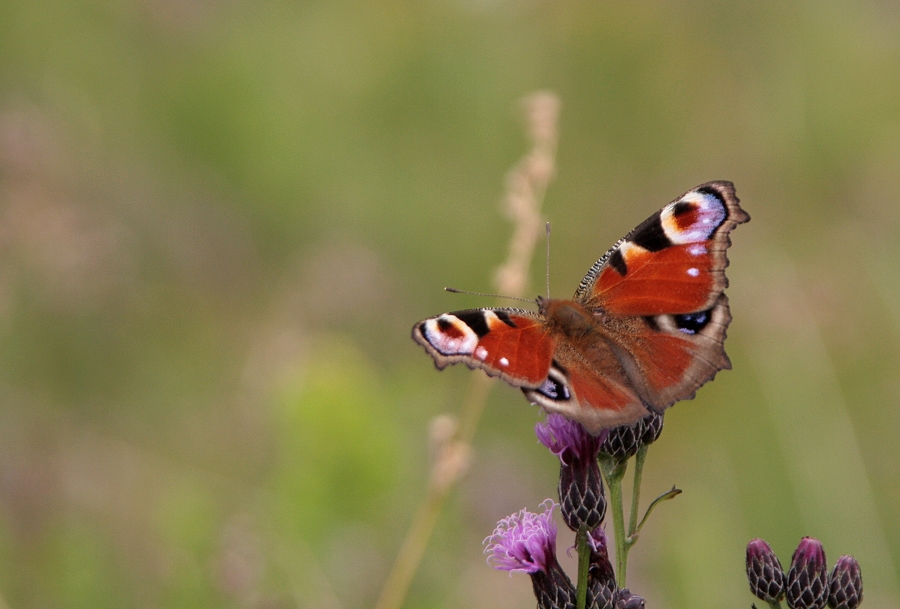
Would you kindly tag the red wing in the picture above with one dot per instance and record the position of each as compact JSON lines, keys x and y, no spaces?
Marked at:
{"x":598,"y":394}
{"x":673,"y":355}
{"x":510,"y":343}
{"x":672,"y":263}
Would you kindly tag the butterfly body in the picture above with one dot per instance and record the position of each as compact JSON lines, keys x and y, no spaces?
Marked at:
{"x":645,"y":329}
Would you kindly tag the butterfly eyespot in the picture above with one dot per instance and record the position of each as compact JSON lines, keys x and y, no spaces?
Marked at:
{"x":692,"y":323}
{"x":449,"y":335}
{"x":681,"y":208}
{"x":554,"y":390}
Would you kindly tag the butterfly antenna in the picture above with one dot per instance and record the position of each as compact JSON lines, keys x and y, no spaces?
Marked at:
{"x":456,"y":291}
{"x":548,"y":260}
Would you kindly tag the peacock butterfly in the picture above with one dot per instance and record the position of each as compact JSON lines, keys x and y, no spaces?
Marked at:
{"x":645,"y":329}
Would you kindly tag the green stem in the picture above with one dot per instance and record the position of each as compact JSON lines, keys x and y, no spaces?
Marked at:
{"x":636,"y":494}
{"x":614,"y":471}
{"x":667,"y":495}
{"x":584,"y":561}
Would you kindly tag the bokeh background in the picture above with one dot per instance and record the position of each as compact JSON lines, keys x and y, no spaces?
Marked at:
{"x":219,"y":220}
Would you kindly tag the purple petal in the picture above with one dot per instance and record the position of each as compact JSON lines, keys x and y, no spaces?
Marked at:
{"x":524,"y":541}
{"x":597,"y":539}
{"x":562,"y":436}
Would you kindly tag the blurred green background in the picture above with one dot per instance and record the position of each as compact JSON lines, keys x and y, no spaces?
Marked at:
{"x":219,"y":220}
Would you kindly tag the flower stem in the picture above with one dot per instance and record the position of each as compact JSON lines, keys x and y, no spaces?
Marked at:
{"x":636,"y":494}
{"x":584,"y":560}
{"x":614,"y":471}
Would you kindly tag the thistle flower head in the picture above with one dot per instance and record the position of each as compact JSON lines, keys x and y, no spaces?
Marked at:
{"x":624,"y":441}
{"x":524,"y":541}
{"x":567,"y":439}
{"x":846,"y":590}
{"x":653,"y":425}
{"x":764,"y":572}
{"x":807,"y":579}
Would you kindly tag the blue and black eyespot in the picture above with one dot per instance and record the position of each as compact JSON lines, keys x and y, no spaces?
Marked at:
{"x":555,"y":389}
{"x":691,"y":323}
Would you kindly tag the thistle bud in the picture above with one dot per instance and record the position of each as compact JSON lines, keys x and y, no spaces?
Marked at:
{"x":653,"y":425}
{"x":582,"y":502}
{"x":553,"y":589}
{"x":764,"y":572}
{"x":624,"y":441}
{"x":807,"y":579}
{"x":627,"y":600}
{"x":602,"y":589}
{"x":845,"y":591}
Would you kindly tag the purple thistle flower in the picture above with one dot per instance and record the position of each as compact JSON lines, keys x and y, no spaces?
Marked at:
{"x":846,"y":591}
{"x":524,"y":541}
{"x":807,"y":579}
{"x":764,"y":572}
{"x":567,"y":439}
{"x":527,"y":542}
{"x":580,"y":482}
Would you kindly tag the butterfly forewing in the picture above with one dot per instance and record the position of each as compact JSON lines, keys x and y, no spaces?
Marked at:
{"x":674,"y":262}
{"x":510,"y":343}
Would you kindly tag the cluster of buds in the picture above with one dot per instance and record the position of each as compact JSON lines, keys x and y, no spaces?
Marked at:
{"x":807,"y":584}
{"x":526,"y":542}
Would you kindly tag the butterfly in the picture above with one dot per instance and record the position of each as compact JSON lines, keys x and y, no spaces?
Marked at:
{"x":645,"y":329}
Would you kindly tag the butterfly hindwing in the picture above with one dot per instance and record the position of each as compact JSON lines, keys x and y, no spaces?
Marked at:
{"x":577,"y":389}
{"x":674,"y":262}
{"x":670,"y":356}
{"x":509,"y":343}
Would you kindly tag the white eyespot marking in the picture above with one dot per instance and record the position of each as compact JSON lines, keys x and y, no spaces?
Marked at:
{"x":693,"y":272}
{"x":504,"y":362}
{"x":450,"y":335}
{"x":696,"y":249}
{"x":481,"y":353}
{"x":706,"y":213}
